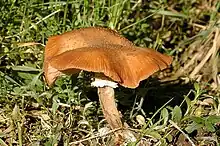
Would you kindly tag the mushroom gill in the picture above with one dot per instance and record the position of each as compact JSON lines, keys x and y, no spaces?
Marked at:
{"x":127,"y":65}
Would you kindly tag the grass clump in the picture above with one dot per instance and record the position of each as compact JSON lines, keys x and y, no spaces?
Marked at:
{"x":180,"y":108}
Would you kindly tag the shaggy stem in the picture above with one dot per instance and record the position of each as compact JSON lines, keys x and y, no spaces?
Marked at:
{"x":112,"y":116}
{"x":107,"y":101}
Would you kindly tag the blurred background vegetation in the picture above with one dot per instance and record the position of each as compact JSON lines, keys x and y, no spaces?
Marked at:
{"x":180,"y":105}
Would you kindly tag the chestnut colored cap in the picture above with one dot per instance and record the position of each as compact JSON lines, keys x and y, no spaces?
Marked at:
{"x":84,"y":37}
{"x":101,"y":50}
{"x":127,"y":65}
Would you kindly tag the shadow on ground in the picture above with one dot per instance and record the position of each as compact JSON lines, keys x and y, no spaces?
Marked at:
{"x":154,"y":95}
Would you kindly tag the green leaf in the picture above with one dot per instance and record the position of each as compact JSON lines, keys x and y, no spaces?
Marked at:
{"x":192,"y":127}
{"x":169,"y":137}
{"x":154,"y":134}
{"x":198,"y":120}
{"x":17,"y":90}
{"x":15,"y":113}
{"x":132,"y":144}
{"x":196,"y":86}
{"x":35,"y":79}
{"x":213,"y":119}
{"x":26,"y":75}
{"x":165,"y":115}
{"x":209,"y":126}
{"x":55,"y":105}
{"x":170,"y":13}
{"x":176,"y":114}
{"x":189,"y":103}
{"x":87,"y":106}
{"x":11,"y":80}
{"x":24,"y":68}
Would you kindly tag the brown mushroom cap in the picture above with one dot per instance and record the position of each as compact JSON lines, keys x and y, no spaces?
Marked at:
{"x":127,"y":65}
{"x":85,"y":37}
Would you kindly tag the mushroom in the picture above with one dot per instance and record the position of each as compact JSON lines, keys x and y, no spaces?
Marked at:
{"x":113,"y":59}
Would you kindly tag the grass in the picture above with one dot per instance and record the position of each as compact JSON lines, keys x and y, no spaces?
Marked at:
{"x":179,"y":106}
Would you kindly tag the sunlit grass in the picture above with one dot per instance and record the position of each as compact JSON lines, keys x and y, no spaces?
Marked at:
{"x":174,"y":111}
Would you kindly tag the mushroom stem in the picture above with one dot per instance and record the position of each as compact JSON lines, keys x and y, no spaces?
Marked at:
{"x":107,"y":101}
